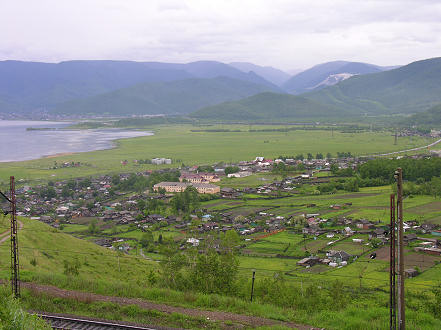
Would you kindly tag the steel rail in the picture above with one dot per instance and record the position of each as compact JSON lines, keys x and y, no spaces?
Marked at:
{"x":62,"y":322}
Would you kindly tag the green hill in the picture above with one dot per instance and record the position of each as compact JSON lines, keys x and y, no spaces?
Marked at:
{"x":411,"y":88}
{"x":268,"y":106}
{"x":428,"y":117}
{"x":316,"y":77}
{"x":175,"y":97}
{"x":44,"y":251}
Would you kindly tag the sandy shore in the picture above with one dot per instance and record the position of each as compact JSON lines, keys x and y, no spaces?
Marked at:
{"x":60,"y":154}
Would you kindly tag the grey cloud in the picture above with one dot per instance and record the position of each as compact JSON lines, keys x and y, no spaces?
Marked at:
{"x":284,"y":33}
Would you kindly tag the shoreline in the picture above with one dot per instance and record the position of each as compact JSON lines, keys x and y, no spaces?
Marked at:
{"x":93,"y":141}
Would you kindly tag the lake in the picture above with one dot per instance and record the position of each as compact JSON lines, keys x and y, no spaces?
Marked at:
{"x":17,"y":143}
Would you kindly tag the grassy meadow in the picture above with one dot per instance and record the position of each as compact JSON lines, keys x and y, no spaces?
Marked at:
{"x":183,"y":143}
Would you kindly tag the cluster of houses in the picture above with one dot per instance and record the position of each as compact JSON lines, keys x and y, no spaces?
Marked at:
{"x":95,"y":200}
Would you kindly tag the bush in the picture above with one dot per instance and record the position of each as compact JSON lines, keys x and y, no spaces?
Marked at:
{"x":12,"y":316}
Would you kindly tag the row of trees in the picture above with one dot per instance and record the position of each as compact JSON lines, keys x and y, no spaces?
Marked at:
{"x":319,"y":155}
{"x":140,"y":183}
{"x":415,"y":170}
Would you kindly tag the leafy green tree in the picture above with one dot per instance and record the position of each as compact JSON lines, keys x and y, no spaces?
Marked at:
{"x":351,"y":185}
{"x":93,"y":227}
{"x":230,"y":239}
{"x":231,"y":169}
{"x":48,"y":192}
{"x":214,"y":273}
{"x":66,"y":192}
{"x":146,"y":239}
{"x":116,"y":180}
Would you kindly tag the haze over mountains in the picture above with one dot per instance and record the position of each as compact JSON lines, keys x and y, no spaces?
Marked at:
{"x":171,"y":97}
{"x":276,"y":76}
{"x":28,"y":86}
{"x":216,"y":90}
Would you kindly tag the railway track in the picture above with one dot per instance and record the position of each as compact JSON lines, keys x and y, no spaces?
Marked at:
{"x":70,"y":323}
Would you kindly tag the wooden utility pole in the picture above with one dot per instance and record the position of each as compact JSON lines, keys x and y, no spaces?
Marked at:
{"x":393,"y":291}
{"x":15,"y":267}
{"x":252,"y":285}
{"x":401,"y":305}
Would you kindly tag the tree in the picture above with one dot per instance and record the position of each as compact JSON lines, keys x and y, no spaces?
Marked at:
{"x":116,"y":180}
{"x":328,"y":155}
{"x":66,"y":192}
{"x":231,"y":169}
{"x":319,"y":156}
{"x":351,"y":185}
{"x":48,"y":192}
{"x":93,"y":227}
{"x":140,"y":204}
{"x":214,"y":273}
{"x":309,"y":156}
{"x":230,"y":239}
{"x":146,"y":239}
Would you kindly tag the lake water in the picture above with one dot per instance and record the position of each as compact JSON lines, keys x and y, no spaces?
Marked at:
{"x":17,"y":143}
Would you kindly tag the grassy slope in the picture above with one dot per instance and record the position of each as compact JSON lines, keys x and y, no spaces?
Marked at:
{"x":50,"y":248}
{"x":179,"y":142}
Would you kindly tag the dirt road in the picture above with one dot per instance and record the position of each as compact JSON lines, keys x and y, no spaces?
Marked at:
{"x":253,"y":321}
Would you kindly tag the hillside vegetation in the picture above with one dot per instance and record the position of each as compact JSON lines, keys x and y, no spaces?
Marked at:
{"x":175,"y":97}
{"x":411,"y":88}
{"x":428,"y":117}
{"x":268,"y":106}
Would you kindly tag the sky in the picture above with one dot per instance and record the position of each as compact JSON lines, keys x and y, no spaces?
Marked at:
{"x":291,"y":34}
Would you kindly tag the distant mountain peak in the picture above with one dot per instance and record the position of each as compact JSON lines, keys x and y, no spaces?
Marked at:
{"x":328,"y":73}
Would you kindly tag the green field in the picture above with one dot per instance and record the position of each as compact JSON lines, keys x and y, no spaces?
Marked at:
{"x":180,"y":143}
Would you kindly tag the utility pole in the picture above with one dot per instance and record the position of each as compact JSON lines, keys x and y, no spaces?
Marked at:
{"x":401,"y":305}
{"x":14,"y":242}
{"x":252,"y":285}
{"x":393,"y":292}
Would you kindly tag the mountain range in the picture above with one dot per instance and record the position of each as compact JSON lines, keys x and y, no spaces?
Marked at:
{"x":327,"y":74}
{"x":211,"y":89}
{"x":407,"y":89}
{"x":28,"y":86}
{"x":276,"y":76}
{"x":170,"y":97}
{"x":411,"y":88}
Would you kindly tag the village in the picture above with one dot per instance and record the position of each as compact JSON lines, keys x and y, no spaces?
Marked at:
{"x":118,"y":207}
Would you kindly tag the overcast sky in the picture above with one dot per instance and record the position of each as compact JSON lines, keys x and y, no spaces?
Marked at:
{"x":285,"y":34}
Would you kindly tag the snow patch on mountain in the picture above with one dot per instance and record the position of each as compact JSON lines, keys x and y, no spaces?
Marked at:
{"x":333,"y":79}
